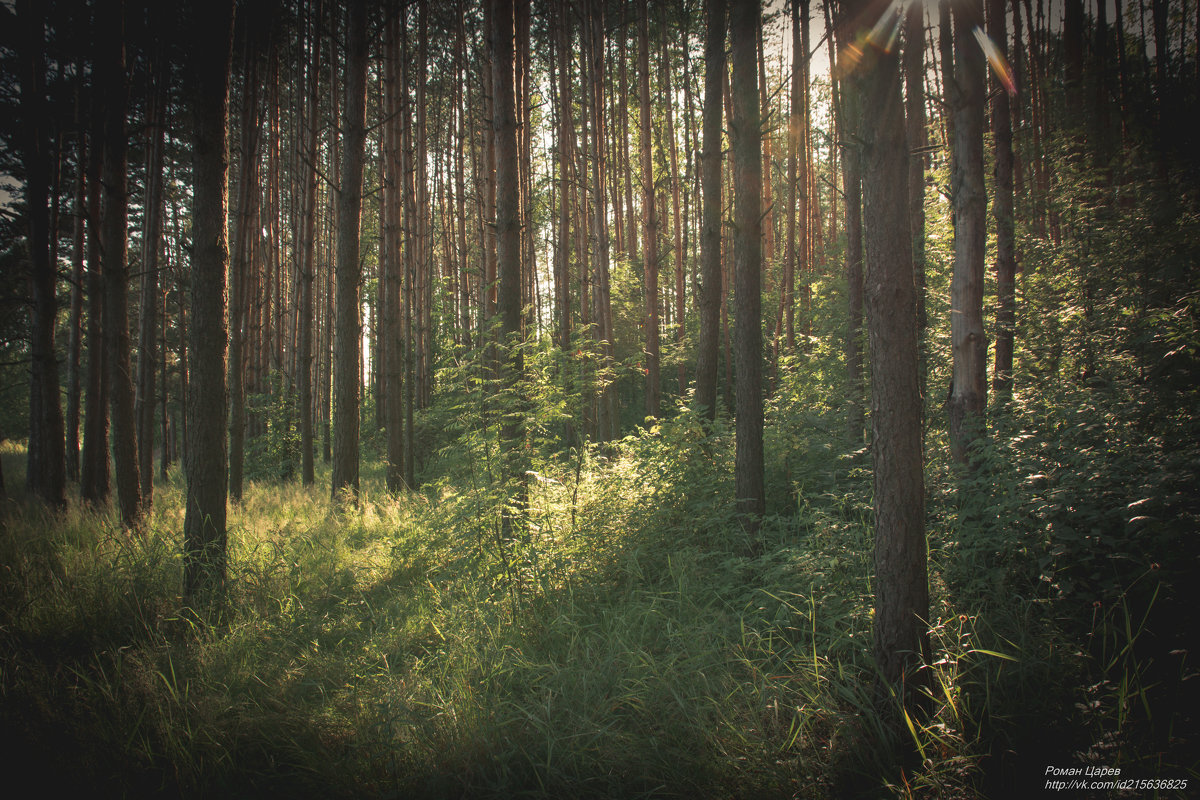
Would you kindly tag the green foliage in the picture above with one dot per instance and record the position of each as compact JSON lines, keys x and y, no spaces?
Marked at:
{"x":273,"y":452}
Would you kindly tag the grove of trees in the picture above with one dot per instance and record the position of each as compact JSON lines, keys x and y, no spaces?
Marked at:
{"x":724,"y":277}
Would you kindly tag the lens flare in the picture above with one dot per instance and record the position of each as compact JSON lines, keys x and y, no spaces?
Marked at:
{"x":887,"y":28}
{"x":884,"y":33}
{"x":999,"y":63}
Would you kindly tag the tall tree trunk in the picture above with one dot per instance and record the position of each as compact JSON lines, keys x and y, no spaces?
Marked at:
{"x":392,"y":201}
{"x":847,"y":100}
{"x":710,"y":231}
{"x":796,"y":202}
{"x":304,"y":324}
{"x":347,"y":335}
{"x":412,"y":254}
{"x":423,"y":229}
{"x":1006,"y":266}
{"x":622,"y":156}
{"x":78,"y":258}
{"x":901,"y":638}
{"x":242,"y":264}
{"x":914,"y":100}
{"x":204,"y":520}
{"x":46,"y":472}
{"x":94,"y":471}
{"x":746,"y":163}
{"x":768,"y":211}
{"x":151,"y":242}
{"x":601,"y":296}
{"x":968,"y":391}
{"x":111,"y":79}
{"x":566,"y":147}
{"x":649,"y":217}
{"x":676,"y":220}
{"x":508,"y":242}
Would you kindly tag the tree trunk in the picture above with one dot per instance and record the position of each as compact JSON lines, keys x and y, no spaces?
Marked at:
{"x":348,"y":326}
{"x":508,"y":243}
{"x":304,"y":323}
{"x":746,"y":162}
{"x":676,"y":220}
{"x":796,"y":203}
{"x":206,"y":465}
{"x":649,"y":216}
{"x":78,"y":258}
{"x":968,"y":392}
{"x":914,"y":100}
{"x":566,"y":147}
{"x":246,"y":232}
{"x":710,"y":231}
{"x":1004,"y":213}
{"x":768,"y":212}
{"x":391,"y":201}
{"x":112,"y":82}
{"x":901,"y":638}
{"x":151,"y":242}
{"x":607,"y":421}
{"x":46,"y":472}
{"x":847,"y":103}
{"x":94,"y":477}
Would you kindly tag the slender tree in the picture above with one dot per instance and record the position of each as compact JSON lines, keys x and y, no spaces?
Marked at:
{"x":94,"y":476}
{"x":78,"y":259}
{"x":307,"y":277}
{"x":710,"y":231}
{"x":206,"y":457}
{"x":649,"y":217}
{"x":111,"y":79}
{"x":508,"y":242}
{"x":914,"y":103}
{"x":151,"y":243}
{"x":968,"y":391}
{"x":746,"y":163}
{"x":1006,"y":267}
{"x":901,"y":637}
{"x":847,"y":101}
{"x":347,"y":335}
{"x":390,"y":303}
{"x":46,"y":472}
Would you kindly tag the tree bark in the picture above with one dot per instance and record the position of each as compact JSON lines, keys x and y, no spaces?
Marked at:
{"x":46,"y":471}
{"x":710,"y":231}
{"x":746,"y":163}
{"x":304,"y":323}
{"x":151,"y":242}
{"x":914,"y":100}
{"x":901,"y":638}
{"x":649,"y":218}
{"x":245,"y":233}
{"x":508,"y":244}
{"x":394,"y":366}
{"x":847,"y":103}
{"x":112,"y":82}
{"x":347,"y":350}
{"x":1006,"y":266}
{"x":968,"y":391}
{"x":78,"y":259}
{"x":206,"y":456}
{"x":678,"y":255}
{"x":607,"y":421}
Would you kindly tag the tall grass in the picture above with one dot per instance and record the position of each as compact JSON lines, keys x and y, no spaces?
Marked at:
{"x":628,"y":643}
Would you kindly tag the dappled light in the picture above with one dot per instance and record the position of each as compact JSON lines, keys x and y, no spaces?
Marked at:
{"x":619,"y":398}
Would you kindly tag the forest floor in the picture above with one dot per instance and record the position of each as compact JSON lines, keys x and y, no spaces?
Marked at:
{"x":633,"y":643}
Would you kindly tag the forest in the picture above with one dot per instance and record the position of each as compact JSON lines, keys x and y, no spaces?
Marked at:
{"x":600,"y":398}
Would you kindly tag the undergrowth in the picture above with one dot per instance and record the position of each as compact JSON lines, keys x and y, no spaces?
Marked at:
{"x":629,"y":641}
